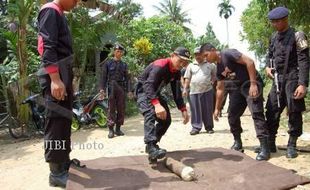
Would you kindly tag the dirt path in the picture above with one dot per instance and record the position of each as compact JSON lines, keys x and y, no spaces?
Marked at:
{"x":22,"y":164}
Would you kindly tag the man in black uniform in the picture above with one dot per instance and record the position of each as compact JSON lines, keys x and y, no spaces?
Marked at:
{"x":116,"y":79}
{"x":231,"y":64}
{"x":153,"y":107}
{"x":55,"y":75}
{"x":289,"y":53}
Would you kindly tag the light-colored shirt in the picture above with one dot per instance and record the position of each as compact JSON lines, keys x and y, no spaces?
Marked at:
{"x":201,"y":77}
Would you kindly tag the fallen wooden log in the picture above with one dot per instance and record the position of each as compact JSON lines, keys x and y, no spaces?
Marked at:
{"x":185,"y":172}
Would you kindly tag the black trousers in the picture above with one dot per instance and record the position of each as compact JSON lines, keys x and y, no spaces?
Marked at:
{"x":295,"y":109}
{"x":117,"y":105}
{"x":154,"y":128}
{"x":57,"y":134}
{"x":238,"y":102}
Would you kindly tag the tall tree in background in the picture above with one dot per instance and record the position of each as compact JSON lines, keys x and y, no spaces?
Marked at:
{"x":173,"y":10}
{"x":210,"y":37}
{"x":256,"y":15}
{"x":226,"y":10}
{"x":128,"y":10}
{"x":258,"y":36}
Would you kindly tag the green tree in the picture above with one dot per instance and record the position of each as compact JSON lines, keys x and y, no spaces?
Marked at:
{"x":173,"y":10}
{"x":226,"y":10}
{"x":127,"y":10}
{"x":258,"y":36}
{"x":256,"y":15}
{"x":87,"y":39}
{"x":298,"y":17}
{"x":164,"y":36}
{"x":20,"y":12}
{"x":210,"y":37}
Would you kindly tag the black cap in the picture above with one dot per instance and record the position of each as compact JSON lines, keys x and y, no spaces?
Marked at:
{"x":119,"y":47}
{"x":183,"y":53}
{"x":278,"y":13}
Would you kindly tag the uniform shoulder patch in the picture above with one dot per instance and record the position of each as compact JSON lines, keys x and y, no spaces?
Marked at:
{"x":301,"y":41}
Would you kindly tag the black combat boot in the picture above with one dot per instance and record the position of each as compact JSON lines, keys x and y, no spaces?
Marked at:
{"x":264,"y":153}
{"x":291,"y":147}
{"x":237,"y":144}
{"x":58,"y":176}
{"x":272,"y":146}
{"x":111,"y":132}
{"x":160,"y":149}
{"x":118,"y":131}
{"x":154,"y":152}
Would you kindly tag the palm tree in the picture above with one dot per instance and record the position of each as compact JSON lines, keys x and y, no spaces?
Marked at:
{"x":226,"y":10}
{"x":173,"y":9}
{"x":210,"y":37}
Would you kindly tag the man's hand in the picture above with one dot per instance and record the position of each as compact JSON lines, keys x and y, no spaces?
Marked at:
{"x":102,"y":95}
{"x":216,"y":115}
{"x":253,"y":91}
{"x":130,"y":95}
{"x":58,"y":89}
{"x":160,"y":112}
{"x":300,"y":92}
{"x":269,"y":72}
{"x":185,"y":117}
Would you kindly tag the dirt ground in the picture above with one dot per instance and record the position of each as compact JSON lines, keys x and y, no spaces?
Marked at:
{"x":22,"y":164}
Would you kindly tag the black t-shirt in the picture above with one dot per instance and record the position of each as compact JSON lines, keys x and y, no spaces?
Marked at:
{"x":229,"y":58}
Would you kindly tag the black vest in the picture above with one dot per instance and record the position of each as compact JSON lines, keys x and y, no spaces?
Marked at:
{"x":116,"y":71}
{"x":284,"y":47}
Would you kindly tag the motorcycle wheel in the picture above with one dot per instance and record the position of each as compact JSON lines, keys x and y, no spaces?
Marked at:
{"x":15,"y":130}
{"x":101,"y":116}
{"x":39,"y":122}
{"x":75,"y":123}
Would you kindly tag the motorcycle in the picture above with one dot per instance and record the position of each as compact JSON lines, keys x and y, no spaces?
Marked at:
{"x":37,"y":112}
{"x":91,"y":111}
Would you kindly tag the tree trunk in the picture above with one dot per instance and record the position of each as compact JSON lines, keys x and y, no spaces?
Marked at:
{"x":79,"y":72}
{"x":23,"y":111}
{"x":24,"y":11}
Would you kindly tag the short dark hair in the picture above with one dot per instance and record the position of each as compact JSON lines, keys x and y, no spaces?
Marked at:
{"x":207,"y":47}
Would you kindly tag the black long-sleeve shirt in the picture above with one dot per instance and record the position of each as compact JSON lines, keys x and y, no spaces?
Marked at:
{"x":117,"y":71}
{"x":157,"y":75}
{"x":54,"y":39}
